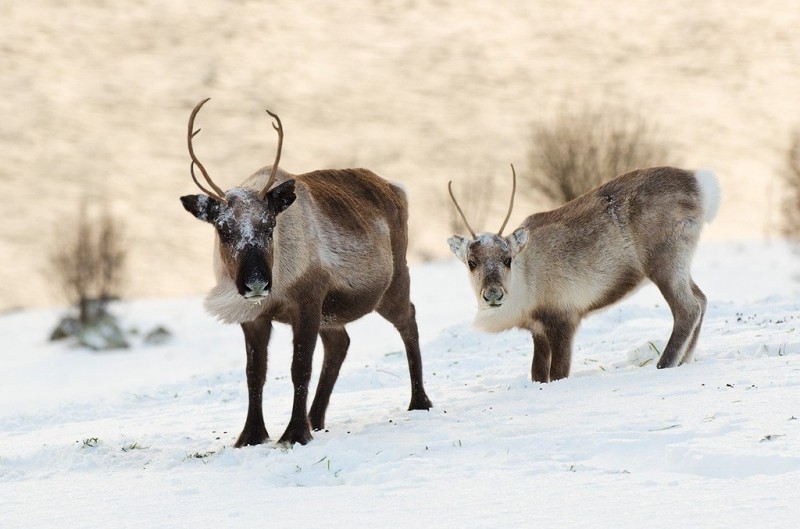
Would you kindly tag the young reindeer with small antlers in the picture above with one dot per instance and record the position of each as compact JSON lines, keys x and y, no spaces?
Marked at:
{"x":315,"y":251}
{"x":561,"y":265}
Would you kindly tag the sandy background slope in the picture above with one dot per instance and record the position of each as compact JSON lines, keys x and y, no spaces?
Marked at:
{"x":95,"y":99}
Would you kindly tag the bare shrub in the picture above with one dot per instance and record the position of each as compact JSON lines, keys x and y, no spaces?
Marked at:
{"x":578,"y":151}
{"x":110,"y":257}
{"x":791,"y":201}
{"x":89,"y":261}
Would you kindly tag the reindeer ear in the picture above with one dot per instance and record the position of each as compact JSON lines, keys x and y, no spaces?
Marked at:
{"x":517,"y":240}
{"x":203,"y":207}
{"x":281,"y":196}
{"x":459,"y":246}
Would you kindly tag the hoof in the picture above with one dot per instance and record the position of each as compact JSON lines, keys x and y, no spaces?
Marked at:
{"x":252,"y":437}
{"x":296,"y":433}
{"x":317,"y":420}
{"x":666,"y":364}
{"x":420,"y":402}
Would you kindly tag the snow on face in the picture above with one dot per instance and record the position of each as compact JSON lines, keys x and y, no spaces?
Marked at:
{"x":490,"y":253}
{"x":246,"y":222}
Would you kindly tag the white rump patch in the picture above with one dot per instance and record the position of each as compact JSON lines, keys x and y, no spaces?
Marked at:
{"x":401,"y":186}
{"x":709,"y":192}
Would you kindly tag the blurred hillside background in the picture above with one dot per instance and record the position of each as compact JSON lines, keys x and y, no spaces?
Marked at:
{"x":96,"y":95}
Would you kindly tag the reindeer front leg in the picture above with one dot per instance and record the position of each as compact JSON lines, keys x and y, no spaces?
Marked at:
{"x":305,"y":329}
{"x":553,"y":333}
{"x":256,"y":339}
{"x":540,"y":367}
{"x":560,"y":334}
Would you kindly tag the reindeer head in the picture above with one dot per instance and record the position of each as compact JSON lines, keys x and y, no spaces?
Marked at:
{"x":489,"y":256}
{"x":244,"y":219}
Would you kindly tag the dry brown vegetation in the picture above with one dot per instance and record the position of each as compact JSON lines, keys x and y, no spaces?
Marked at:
{"x":89,"y":261}
{"x":577,"y":151}
{"x":791,"y":201}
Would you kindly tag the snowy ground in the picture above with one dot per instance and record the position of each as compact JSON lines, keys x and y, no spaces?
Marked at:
{"x":142,"y":438}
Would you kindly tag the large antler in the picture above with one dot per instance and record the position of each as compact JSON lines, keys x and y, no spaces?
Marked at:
{"x":218,"y":193}
{"x":274,"y":174}
{"x":511,"y":204}
{"x":463,"y":217}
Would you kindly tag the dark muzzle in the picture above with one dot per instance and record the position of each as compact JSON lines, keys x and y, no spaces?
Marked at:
{"x":255,"y":278}
{"x":493,"y":296}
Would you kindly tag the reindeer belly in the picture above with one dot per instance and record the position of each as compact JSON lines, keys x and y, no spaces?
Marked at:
{"x":343,"y":306}
{"x":360,"y":273}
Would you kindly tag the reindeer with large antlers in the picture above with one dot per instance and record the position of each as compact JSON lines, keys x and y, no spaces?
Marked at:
{"x":561,"y":265}
{"x":315,"y":251}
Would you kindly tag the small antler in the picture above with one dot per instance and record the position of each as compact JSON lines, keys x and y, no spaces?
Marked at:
{"x":218,"y":193}
{"x":463,"y":217}
{"x":274,"y":174}
{"x":511,"y":204}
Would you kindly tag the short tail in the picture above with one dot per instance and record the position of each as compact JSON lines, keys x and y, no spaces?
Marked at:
{"x":709,"y":192}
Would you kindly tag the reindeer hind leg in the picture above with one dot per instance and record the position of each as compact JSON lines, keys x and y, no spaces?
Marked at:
{"x":397,"y":309}
{"x":688,"y":356}
{"x":687,"y":313}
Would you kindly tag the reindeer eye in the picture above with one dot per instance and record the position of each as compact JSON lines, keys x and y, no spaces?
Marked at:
{"x":507,"y":262}
{"x":472,"y":264}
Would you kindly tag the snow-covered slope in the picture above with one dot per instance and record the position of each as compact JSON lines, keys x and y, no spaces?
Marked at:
{"x":142,"y":438}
